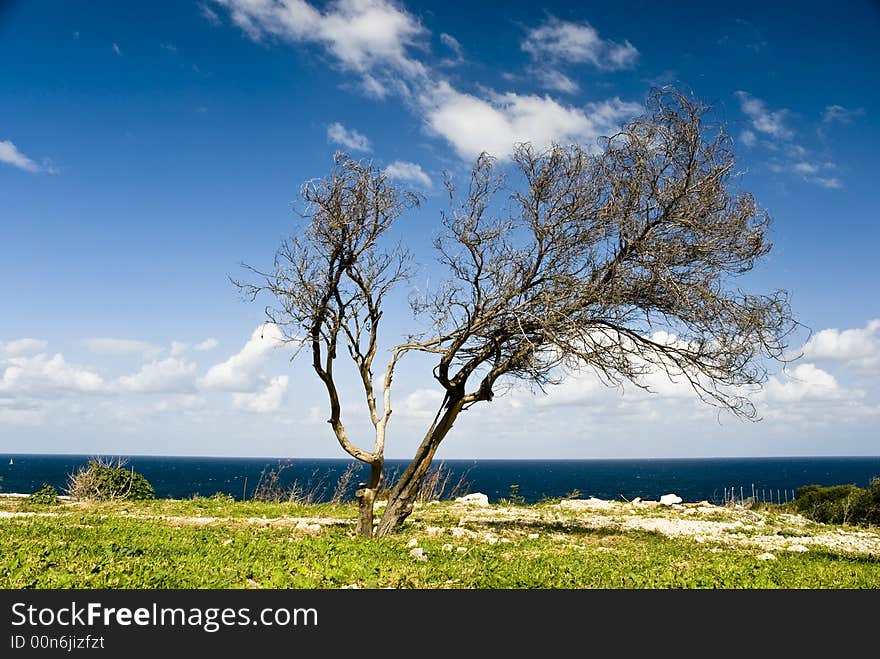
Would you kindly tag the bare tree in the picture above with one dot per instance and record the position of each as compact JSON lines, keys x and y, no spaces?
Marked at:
{"x":621,"y":261}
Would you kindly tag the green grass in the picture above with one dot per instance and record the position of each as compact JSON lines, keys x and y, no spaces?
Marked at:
{"x":136,"y":545}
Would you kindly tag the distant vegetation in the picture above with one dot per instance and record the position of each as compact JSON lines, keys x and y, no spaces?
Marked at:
{"x":46,"y":495}
{"x":840,"y":504}
{"x":108,"y":480}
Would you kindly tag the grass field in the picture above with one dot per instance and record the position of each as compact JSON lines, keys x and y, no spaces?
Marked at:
{"x":219,"y":543}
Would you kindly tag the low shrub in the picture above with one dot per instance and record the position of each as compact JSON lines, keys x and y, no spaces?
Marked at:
{"x":840,"y":504}
{"x":46,"y":495}
{"x":106,"y":480}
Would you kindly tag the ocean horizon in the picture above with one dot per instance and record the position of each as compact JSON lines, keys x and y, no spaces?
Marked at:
{"x":693,"y":479}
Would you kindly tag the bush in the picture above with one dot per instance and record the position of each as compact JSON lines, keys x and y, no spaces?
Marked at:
{"x":46,"y":495}
{"x":106,"y":480}
{"x":840,"y":504}
{"x":871,"y":502}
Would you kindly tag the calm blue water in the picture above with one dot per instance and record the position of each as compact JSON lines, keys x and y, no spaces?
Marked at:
{"x":691,"y":479}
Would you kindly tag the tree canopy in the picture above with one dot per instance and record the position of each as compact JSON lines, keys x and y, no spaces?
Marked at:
{"x":621,"y":259}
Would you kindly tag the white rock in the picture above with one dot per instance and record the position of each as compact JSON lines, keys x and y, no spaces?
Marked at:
{"x":591,"y":503}
{"x":767,"y":556}
{"x":447,"y":547}
{"x":677,"y":506}
{"x":418,"y":554}
{"x":434,"y":530}
{"x":461,"y":550}
{"x":636,"y":500}
{"x":669,"y":499}
{"x":228,"y":541}
{"x":491,"y":539}
{"x":799,"y":548}
{"x":379,"y":504}
{"x":534,"y":536}
{"x":458,"y":532}
{"x":412,"y":542}
{"x":475,"y":499}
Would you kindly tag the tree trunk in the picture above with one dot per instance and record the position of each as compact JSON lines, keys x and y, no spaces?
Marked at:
{"x":366,"y":496}
{"x":405,"y":491}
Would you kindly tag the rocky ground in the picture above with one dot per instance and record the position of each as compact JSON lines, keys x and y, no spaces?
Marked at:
{"x":474,"y":520}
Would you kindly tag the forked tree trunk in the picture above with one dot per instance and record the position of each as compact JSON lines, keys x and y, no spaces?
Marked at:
{"x":366,"y":496}
{"x":405,"y":491}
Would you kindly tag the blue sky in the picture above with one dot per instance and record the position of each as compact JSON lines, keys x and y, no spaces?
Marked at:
{"x":147,"y":149}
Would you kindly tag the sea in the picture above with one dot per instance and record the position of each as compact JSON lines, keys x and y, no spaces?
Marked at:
{"x":693,"y":479}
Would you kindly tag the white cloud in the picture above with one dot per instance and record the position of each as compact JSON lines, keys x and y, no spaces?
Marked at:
{"x":22,"y":346}
{"x":831,"y":182}
{"x":805,"y":168}
{"x":806,"y":383}
{"x":209,"y":14}
{"x":840,"y":114}
{"x":362,"y":35}
{"x":762,"y":119}
{"x":167,"y":375}
{"x":557,"y":81}
{"x":858,"y":346}
{"x":43,"y":375}
{"x":372,"y":87}
{"x":772,"y":124}
{"x":242,"y":371}
{"x":208,"y":344}
{"x":178,"y":348}
{"x":111,"y":346}
{"x":452,"y":44}
{"x":339,"y":134}
{"x":407,"y":171}
{"x":473,"y":125}
{"x":267,"y":400}
{"x":578,"y":43}
{"x":420,"y":404}
{"x":10,"y":155}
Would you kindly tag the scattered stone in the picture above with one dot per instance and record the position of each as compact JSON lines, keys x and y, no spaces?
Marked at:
{"x":636,"y":500}
{"x":475,"y":499}
{"x":766,"y":556}
{"x":228,"y":541}
{"x":418,"y":554}
{"x":716,"y":550}
{"x":491,"y":539}
{"x":447,"y":547}
{"x":669,"y":499}
{"x":412,"y":542}
{"x":434,"y":530}
{"x":798,"y":548}
{"x":379,"y":504}
{"x":308,"y":528}
{"x":591,"y":503}
{"x":505,"y":539}
{"x":534,"y":536}
{"x":461,"y":550}
{"x":459,"y":532}
{"x":677,"y":506}
{"x":351,"y":586}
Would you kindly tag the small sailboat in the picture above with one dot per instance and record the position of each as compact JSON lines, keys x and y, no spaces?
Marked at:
{"x":10,"y":460}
